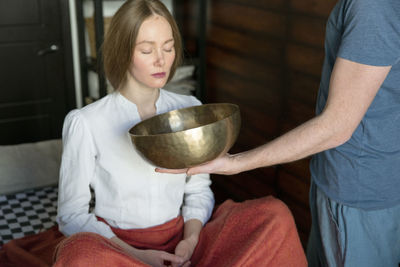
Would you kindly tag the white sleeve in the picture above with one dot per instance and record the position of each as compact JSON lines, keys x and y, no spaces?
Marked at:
{"x":194,"y":101}
{"x":77,"y":170}
{"x":199,"y":199}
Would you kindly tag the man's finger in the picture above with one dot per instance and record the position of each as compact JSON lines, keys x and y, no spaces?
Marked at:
{"x":204,"y":168}
{"x":195,"y":170}
{"x":174,"y":171}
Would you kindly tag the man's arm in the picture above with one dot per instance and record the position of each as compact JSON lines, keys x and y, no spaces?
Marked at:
{"x":353,"y":87}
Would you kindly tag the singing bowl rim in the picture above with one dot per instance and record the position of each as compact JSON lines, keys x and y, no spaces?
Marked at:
{"x":235,"y":108}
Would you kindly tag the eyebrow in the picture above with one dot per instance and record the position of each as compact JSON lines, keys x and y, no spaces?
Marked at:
{"x":151,"y":42}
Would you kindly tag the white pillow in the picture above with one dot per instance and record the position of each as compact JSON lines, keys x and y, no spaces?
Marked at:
{"x":29,"y":165}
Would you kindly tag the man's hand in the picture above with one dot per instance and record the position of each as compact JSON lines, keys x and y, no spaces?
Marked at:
{"x":221,"y":165}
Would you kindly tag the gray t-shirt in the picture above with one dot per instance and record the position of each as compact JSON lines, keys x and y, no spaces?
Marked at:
{"x":365,"y":171}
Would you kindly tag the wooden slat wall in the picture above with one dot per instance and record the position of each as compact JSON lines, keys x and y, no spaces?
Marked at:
{"x":266,"y":56}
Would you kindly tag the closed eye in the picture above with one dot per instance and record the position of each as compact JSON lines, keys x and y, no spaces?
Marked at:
{"x":169,"y":49}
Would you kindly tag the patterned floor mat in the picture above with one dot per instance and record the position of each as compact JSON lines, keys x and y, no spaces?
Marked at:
{"x":27,"y":213}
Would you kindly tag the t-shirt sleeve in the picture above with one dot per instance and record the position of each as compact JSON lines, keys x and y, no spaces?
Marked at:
{"x":76,"y":171}
{"x":371,"y":32}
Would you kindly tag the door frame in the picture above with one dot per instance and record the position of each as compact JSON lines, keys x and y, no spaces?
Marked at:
{"x":68,"y":54}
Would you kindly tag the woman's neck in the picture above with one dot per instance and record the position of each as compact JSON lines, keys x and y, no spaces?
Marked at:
{"x":144,"y":98}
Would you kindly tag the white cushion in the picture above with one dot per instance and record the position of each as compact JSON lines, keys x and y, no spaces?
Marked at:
{"x":29,"y":165}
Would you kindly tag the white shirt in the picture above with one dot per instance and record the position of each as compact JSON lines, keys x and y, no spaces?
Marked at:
{"x":98,"y":152}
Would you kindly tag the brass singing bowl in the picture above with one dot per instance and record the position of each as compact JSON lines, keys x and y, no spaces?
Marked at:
{"x":187,"y":137}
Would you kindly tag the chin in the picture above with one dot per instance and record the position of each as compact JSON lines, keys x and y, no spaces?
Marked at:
{"x":158,"y":84}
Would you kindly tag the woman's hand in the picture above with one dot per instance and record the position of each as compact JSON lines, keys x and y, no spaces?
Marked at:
{"x":157,"y":258}
{"x":186,"y":246}
{"x":185,"y":249}
{"x":154,"y":258}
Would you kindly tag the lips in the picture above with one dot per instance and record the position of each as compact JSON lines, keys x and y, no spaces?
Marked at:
{"x":159,"y":75}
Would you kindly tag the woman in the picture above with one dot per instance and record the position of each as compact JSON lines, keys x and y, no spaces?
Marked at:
{"x":141,"y":52}
{"x":141,"y":216}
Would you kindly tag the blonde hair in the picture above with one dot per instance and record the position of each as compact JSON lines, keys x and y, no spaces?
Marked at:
{"x":120,"y":39}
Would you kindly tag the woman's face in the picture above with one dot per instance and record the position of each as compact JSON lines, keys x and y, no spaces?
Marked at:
{"x":154,"y":53}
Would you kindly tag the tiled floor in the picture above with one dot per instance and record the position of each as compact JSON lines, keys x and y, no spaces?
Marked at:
{"x":27,"y":213}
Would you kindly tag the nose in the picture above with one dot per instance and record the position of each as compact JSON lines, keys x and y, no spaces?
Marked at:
{"x":159,"y":60}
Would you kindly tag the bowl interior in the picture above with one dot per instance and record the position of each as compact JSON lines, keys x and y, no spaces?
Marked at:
{"x":184,"y":119}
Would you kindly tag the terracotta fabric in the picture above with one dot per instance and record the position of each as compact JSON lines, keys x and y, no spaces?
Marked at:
{"x":258,"y":232}
{"x":88,"y":249}
{"x":163,"y":237}
{"x":31,"y":251}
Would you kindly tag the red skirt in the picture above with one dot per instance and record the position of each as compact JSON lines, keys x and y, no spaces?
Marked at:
{"x":258,"y":232}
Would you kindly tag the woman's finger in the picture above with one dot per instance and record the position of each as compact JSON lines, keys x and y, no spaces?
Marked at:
{"x":174,"y":259}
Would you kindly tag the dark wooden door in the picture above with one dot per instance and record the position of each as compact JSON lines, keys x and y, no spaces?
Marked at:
{"x":36,"y":84}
